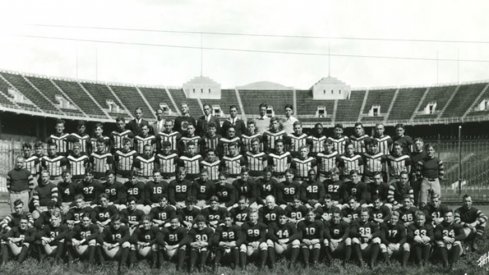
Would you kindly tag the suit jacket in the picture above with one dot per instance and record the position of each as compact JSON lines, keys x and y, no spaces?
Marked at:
{"x":136,"y":127}
{"x":203,"y":125}
{"x":239,"y":126}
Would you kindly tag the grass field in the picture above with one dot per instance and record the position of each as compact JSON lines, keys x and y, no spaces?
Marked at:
{"x":466,"y":265}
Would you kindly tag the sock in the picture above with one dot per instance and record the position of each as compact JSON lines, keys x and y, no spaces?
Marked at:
{"x":217,"y":259}
{"x":124,"y":254}
{"x":4,"y":252}
{"x":23,"y":254}
{"x":358,"y":253}
{"x":454,"y":254}
{"x":294,"y":255}
{"x":271,"y":256}
{"x":132,"y":257}
{"x":60,"y":252}
{"x":203,"y":259}
{"x":193,"y":258}
{"x":263,"y":258}
{"x":374,"y":251}
{"x":347,"y":253}
{"x":315,"y":255}
{"x":91,"y":255}
{"x":405,"y":257}
{"x":426,"y":253}
{"x":418,"y":253}
{"x":100,"y":255}
{"x":444,"y":256}
{"x":327,"y":254}
{"x":181,"y":258}
{"x":386,"y":258}
{"x":236,"y":255}
{"x":242,"y":259}
{"x":305,"y":256}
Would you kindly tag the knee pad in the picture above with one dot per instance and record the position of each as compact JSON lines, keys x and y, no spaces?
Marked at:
{"x":183,"y":247}
{"x":316,"y":246}
{"x":243,"y":248}
{"x":132,"y":247}
{"x":376,"y":240}
{"x":383,"y":248}
{"x":92,"y":243}
{"x":263,"y":246}
{"x":440,"y":244}
{"x":154,"y":247}
{"x":355,"y":241}
{"x":406,"y":247}
{"x":348,"y":241}
{"x":126,"y":245}
{"x":296,"y":244}
{"x":457,"y":243}
{"x":270,"y":243}
{"x":326,"y":242}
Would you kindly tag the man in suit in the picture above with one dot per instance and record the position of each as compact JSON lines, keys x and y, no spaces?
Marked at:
{"x":203,"y":122}
{"x":159,"y":124}
{"x":138,"y":122}
{"x":233,"y":120}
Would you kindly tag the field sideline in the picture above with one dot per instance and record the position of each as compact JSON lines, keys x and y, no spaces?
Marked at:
{"x":466,"y":265}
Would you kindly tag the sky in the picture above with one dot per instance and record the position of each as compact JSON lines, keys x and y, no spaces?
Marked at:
{"x":25,"y":27}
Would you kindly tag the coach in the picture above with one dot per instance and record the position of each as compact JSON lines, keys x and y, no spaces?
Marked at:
{"x":204,"y":121}
{"x":431,"y":170}
{"x":137,"y":123}
{"x":19,"y":184}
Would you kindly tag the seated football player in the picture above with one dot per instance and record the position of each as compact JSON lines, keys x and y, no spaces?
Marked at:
{"x":473,"y":221}
{"x":135,"y":188}
{"x":84,"y":239}
{"x":54,"y":237}
{"x":103,"y":212}
{"x":435,"y":210}
{"x":312,"y":191}
{"x":188,"y":214}
{"x":241,"y":214}
{"x":200,"y":243}
{"x":420,"y":237}
{"x":265,"y":186}
{"x":203,"y":189}
{"x":45,"y":216}
{"x":228,"y":239}
{"x":215,"y":213}
{"x":115,"y":241}
{"x":351,"y":212}
{"x":282,"y":238}
{"x":175,"y":242}
{"x":394,"y":241}
{"x":296,"y":212}
{"x":337,"y":239}
{"x":334,"y":188}
{"x":380,"y":213}
{"x":407,"y":211}
{"x":225,"y":192}
{"x":66,"y":192}
{"x":448,"y":238}
{"x":311,"y":232}
{"x":179,"y":189}
{"x":288,"y":190}
{"x":155,"y":189}
{"x":20,"y":239}
{"x":254,"y":241}
{"x":90,"y":188}
{"x":354,"y":187}
{"x":145,"y":242}
{"x":365,"y":239}
{"x":245,"y":186}
{"x":13,"y":219}
{"x":269,"y":214}
{"x":131,"y":216}
{"x":78,"y":209}
{"x":327,"y":209}
{"x":115,"y":191}
{"x":162,"y":213}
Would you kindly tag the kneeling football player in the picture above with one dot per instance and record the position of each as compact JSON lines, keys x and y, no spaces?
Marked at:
{"x":115,"y":241}
{"x":200,"y":239}
{"x":393,"y":237}
{"x":311,"y":231}
{"x":283,"y":238}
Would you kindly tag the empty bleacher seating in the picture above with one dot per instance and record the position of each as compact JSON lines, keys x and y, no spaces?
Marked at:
{"x":349,"y":109}
{"x":29,"y":92}
{"x":463,"y":99}
{"x":251,"y":99}
{"x":440,"y":95}
{"x":406,"y":102}
{"x":382,"y":97}
{"x":101,"y":93}
{"x":306,"y":105}
{"x":157,"y":96}
{"x":228,"y":98}
{"x":78,"y":95}
{"x":179,"y":97}
{"x":131,"y":99}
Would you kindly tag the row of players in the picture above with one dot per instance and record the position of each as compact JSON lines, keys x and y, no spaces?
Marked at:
{"x":214,"y":234}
